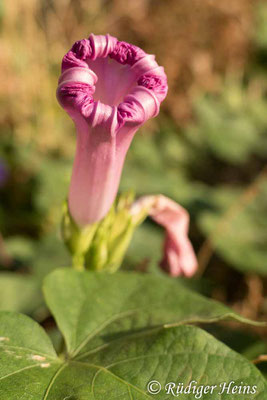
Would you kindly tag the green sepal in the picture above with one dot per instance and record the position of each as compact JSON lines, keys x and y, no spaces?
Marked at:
{"x":102,"y":246}
{"x":76,"y":239}
{"x":112,"y":236}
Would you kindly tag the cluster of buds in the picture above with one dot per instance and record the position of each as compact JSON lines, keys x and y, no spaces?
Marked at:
{"x":110,"y":88}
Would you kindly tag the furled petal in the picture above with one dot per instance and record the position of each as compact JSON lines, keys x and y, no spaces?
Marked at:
{"x":179,"y":257}
{"x":109,"y":88}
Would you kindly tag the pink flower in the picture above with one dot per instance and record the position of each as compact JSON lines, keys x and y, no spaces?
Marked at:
{"x":109,"y":88}
{"x":179,"y":257}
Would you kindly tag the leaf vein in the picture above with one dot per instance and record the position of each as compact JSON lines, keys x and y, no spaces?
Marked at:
{"x":18,"y":371}
{"x":104,"y":369}
{"x":53,"y":380}
{"x":99,"y":329}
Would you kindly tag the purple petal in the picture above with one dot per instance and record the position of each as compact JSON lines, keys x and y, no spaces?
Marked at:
{"x":109,"y":88}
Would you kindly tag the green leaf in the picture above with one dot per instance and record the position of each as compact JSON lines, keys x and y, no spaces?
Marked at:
{"x":20,"y":248}
{"x":52,"y":173}
{"x":152,"y":154}
{"x":145,"y":247}
{"x":180,"y":354}
{"x":27,"y":358}
{"x":19,"y":293}
{"x":30,"y":370}
{"x":237,"y":228}
{"x":107,"y":305}
{"x":22,"y":292}
{"x":231,"y":125}
{"x":49,"y":248}
{"x":128,"y":313}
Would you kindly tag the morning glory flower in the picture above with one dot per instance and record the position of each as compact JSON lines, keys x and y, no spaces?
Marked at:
{"x":179,"y":257}
{"x":109,"y":88}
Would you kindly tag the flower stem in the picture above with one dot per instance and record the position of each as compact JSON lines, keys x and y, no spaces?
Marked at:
{"x":78,"y":262}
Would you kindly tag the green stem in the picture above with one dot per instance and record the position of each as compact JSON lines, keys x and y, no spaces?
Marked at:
{"x":78,"y":262}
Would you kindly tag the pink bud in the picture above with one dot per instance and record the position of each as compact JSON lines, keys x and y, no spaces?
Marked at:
{"x":179,"y":257}
{"x":109,"y":88}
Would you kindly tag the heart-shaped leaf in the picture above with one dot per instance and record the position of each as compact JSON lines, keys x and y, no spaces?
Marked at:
{"x":105,"y":305}
{"x":118,"y":342}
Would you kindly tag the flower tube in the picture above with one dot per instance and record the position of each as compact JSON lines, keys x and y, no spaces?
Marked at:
{"x":109,"y":88}
{"x":179,"y":257}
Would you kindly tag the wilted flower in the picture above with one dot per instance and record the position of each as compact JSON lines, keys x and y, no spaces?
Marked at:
{"x":109,"y":88}
{"x":179,"y":257}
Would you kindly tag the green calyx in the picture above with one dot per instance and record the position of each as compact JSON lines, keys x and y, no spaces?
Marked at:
{"x":102,"y":246}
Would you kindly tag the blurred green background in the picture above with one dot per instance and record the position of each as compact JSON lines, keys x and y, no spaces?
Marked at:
{"x":207,"y":149}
